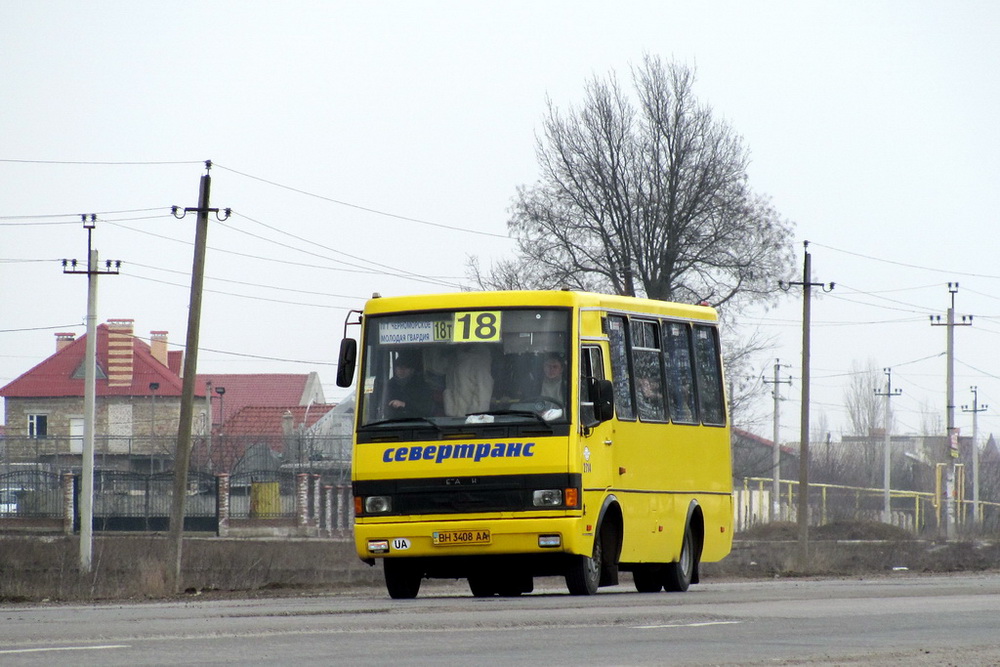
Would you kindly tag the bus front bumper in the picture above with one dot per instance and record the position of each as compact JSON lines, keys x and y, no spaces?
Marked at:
{"x":474,"y":537}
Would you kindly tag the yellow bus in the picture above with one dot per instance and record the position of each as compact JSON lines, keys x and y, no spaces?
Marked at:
{"x":502,"y":436}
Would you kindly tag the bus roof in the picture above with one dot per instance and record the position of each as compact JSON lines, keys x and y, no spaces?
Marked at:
{"x":539,"y":298}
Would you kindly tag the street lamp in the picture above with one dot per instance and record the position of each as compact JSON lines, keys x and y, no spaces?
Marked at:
{"x":153,"y":386}
{"x":221,"y":391}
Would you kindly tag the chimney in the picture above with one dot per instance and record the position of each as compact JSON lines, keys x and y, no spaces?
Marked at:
{"x":64,"y":339}
{"x":120,"y":353}
{"x":288,"y":423}
{"x":175,"y":362}
{"x":158,"y":345}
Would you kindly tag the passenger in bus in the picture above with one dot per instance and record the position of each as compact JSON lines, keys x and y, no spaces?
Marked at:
{"x":468,"y":381}
{"x":407,"y":393}
{"x":650,"y":399}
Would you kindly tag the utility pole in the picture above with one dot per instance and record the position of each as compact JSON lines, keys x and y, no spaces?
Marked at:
{"x":182,"y":457}
{"x":803,"y":505}
{"x":89,"y":391}
{"x":951,"y":516}
{"x":886,"y":499}
{"x":775,"y":513}
{"x":975,"y":410}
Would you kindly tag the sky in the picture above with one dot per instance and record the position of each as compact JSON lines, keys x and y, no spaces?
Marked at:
{"x":375,"y":147}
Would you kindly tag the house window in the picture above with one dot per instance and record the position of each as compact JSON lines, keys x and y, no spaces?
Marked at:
{"x":38,"y":426}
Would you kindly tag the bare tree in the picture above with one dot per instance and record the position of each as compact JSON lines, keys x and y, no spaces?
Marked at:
{"x":866,"y":412}
{"x":647,"y":199}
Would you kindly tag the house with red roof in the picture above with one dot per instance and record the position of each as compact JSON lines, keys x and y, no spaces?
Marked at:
{"x":138,"y":394}
{"x":263,"y":437}
{"x":138,"y":397}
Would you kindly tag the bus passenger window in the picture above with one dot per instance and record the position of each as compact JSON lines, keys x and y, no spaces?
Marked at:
{"x":620,"y":375}
{"x":709,"y":375}
{"x":647,"y":370}
{"x":680,"y":373}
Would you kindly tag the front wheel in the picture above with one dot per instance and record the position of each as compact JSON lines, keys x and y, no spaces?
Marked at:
{"x":648,"y":578}
{"x":677,"y":576}
{"x":584,"y":575}
{"x":402,"y":580}
{"x":482,"y":587}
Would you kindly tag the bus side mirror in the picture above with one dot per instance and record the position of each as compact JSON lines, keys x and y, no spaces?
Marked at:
{"x":605,"y":405}
{"x":345,"y":365}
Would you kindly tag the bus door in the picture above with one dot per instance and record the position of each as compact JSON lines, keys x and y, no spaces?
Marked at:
{"x":597,"y":433}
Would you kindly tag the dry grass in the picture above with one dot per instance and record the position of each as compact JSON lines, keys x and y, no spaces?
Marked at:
{"x":135,"y":567}
{"x":850,"y":548}
{"x":37,"y":568}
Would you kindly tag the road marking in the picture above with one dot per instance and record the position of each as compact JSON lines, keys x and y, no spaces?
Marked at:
{"x":62,"y":648}
{"x":685,"y":625}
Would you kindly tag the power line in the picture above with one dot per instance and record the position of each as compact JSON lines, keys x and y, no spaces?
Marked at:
{"x":248,"y":296}
{"x":909,"y":266}
{"x":428,"y":280}
{"x":64,"y":326}
{"x":77,"y":215}
{"x":363,"y":208}
{"x":249,"y":284}
{"x":101,"y":163}
{"x":327,"y":248}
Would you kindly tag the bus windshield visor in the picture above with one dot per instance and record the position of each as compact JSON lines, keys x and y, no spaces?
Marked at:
{"x":466,"y":366}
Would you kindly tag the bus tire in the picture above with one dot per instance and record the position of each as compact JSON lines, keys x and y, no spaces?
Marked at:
{"x":648,"y":578}
{"x":482,"y":586}
{"x":402,"y":580}
{"x":584,"y":575}
{"x":514,"y":586}
{"x":677,"y":576}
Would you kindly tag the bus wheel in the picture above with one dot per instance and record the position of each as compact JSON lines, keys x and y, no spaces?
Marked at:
{"x":584,"y":574}
{"x":677,"y":576}
{"x":401,"y":579}
{"x":482,"y":586}
{"x":648,"y":578}
{"x":512,"y":586}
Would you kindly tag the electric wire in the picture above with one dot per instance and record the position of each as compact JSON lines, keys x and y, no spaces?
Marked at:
{"x":359,"y":207}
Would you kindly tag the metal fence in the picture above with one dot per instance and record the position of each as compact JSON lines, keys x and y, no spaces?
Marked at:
{"x":142,"y":502}
{"x":148,"y":454}
{"x":35,"y":494}
{"x":915,"y":511}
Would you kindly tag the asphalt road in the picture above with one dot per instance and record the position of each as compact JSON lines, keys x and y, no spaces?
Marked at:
{"x":906,"y":619}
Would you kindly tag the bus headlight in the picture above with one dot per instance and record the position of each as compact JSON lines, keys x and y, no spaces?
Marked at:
{"x":547,"y":498}
{"x":378,"y":504}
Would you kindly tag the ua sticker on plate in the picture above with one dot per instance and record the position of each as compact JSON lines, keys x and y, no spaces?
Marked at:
{"x":400,"y":544}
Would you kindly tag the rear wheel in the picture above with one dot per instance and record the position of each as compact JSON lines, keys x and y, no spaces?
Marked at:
{"x":402,"y":580}
{"x":584,"y":575}
{"x":677,"y":576}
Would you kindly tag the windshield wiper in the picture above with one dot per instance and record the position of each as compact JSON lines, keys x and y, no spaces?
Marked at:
{"x":512,"y":413}
{"x":403,"y":420}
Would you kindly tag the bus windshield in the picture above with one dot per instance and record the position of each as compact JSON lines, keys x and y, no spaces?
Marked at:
{"x":454,"y":367}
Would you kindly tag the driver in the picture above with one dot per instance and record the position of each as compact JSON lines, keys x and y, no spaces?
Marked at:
{"x":407,"y":393}
{"x":553,"y":379}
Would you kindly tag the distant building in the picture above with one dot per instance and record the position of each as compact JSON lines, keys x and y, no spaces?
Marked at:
{"x":138,"y":398}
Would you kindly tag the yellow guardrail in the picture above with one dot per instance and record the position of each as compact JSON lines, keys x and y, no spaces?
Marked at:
{"x":910,"y":509}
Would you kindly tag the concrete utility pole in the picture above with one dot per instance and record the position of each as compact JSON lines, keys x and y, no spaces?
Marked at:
{"x":803,"y":505}
{"x":89,"y":392}
{"x":886,"y":499}
{"x":951,"y":515}
{"x":775,"y":513}
{"x":975,"y":410}
{"x":183,"y":455}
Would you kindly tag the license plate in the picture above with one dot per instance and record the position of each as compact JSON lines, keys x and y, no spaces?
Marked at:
{"x":454,"y":538}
